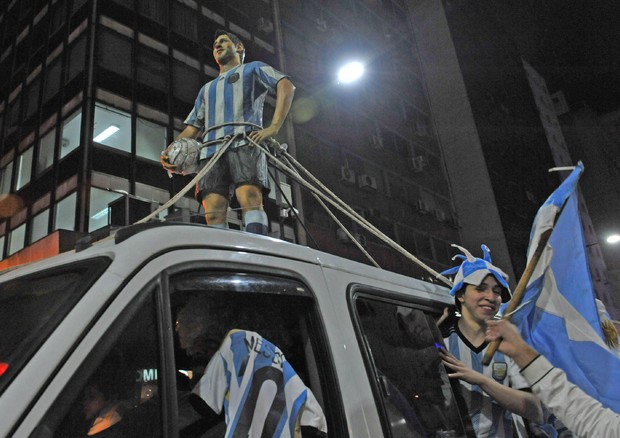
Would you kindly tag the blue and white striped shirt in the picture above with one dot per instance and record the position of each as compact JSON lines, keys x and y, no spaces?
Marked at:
{"x":488,"y":418}
{"x":237,"y":95}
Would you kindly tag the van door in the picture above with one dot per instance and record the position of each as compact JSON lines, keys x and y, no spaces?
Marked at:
{"x":132,"y":370}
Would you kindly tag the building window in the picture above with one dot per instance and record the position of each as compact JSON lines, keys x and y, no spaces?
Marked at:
{"x":1,"y":247}
{"x":186,"y":82}
{"x":46,"y":151}
{"x":152,"y":69}
{"x":32,"y":98}
{"x":65,"y":213}
{"x":77,"y":56}
{"x":112,"y":128}
{"x":39,"y":225}
{"x":6,"y":174}
{"x":24,"y":168}
{"x":156,"y":10}
{"x":150,"y":139}
{"x":70,"y":133}
{"x":52,"y":81}
{"x":112,"y":47}
{"x":17,"y":239}
{"x":99,"y":210}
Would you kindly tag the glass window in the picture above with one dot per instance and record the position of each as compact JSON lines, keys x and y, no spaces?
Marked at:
{"x":6,"y":173}
{"x":65,"y":213}
{"x":77,"y":57}
{"x":112,"y":128}
{"x":208,"y":305}
{"x":157,"y":10}
{"x":150,"y":139}
{"x":1,"y":247}
{"x":152,"y":69}
{"x":186,"y":82}
{"x":31,"y":307}
{"x":70,"y":133}
{"x":32,"y":97}
{"x":24,"y":168}
{"x":13,"y":114}
{"x":115,"y":391}
{"x":99,"y":210}
{"x":40,"y":225}
{"x":418,"y":398}
{"x":52,"y":80}
{"x":184,"y":21}
{"x":46,"y":151}
{"x":112,"y":47}
{"x":17,"y":238}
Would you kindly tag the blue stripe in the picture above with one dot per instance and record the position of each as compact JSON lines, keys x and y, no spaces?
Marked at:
{"x":211,"y":102}
{"x":229,"y":114}
{"x":248,"y":96}
{"x":281,"y":424}
{"x":295,"y":409}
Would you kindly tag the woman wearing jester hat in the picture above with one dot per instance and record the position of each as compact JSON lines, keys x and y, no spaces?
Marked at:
{"x":491,"y":392}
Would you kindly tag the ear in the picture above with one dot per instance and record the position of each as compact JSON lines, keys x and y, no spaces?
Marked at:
{"x":240,"y":48}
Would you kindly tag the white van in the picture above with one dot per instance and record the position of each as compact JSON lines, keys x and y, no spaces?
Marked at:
{"x":363,"y":339}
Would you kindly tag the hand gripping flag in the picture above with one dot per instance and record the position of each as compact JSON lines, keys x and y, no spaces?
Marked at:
{"x":559,"y":317}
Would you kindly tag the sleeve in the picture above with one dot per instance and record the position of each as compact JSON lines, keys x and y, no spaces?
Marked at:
{"x":196,"y":117}
{"x":516,"y":380}
{"x":579,"y":412}
{"x":267,"y":75}
{"x":213,"y":385}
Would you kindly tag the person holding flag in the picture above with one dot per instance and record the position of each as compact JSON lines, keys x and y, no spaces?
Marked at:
{"x":491,"y":392}
{"x":580,"y":413}
{"x":559,"y":316}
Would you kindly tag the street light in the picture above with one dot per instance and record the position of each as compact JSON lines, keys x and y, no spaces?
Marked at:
{"x":350,"y":72}
{"x":614,"y":238}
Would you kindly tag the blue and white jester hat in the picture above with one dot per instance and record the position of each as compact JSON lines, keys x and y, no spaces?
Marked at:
{"x":473,"y":270}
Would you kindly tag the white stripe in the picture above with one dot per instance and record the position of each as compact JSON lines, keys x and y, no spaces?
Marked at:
{"x":238,"y":100}
{"x":219,"y":106}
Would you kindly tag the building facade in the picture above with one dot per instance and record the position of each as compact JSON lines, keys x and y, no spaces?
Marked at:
{"x":96,"y":89}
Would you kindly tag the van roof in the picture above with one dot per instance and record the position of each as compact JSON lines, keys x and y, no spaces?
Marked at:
{"x":150,"y":239}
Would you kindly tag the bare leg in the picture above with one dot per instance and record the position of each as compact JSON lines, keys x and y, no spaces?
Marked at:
{"x":216,"y":207}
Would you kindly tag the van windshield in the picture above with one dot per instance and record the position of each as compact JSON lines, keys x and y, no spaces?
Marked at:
{"x":31,"y":307}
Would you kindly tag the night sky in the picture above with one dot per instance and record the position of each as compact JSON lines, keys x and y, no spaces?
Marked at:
{"x":575,"y":45}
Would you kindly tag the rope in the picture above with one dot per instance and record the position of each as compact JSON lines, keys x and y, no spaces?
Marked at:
{"x":191,"y":184}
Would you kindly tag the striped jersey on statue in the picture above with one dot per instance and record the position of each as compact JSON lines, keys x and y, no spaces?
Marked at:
{"x":259,"y":390}
{"x":488,"y":418}
{"x":234,"y":96}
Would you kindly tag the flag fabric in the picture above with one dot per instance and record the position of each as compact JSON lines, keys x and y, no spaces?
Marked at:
{"x":559,"y":315}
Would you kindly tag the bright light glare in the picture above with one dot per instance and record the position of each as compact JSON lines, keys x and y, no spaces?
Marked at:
{"x":614,"y":238}
{"x":350,"y":72}
{"x":106,"y":133}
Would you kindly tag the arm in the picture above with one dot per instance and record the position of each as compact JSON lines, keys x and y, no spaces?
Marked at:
{"x":285,"y":90}
{"x":578,"y":411}
{"x":189,"y":132}
{"x":521,"y":403}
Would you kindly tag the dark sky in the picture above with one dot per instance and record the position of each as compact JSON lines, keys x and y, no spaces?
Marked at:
{"x":574,"y":44}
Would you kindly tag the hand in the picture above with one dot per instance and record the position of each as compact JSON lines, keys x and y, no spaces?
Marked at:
{"x":512,"y":343}
{"x":263,"y":134}
{"x":461,"y":371}
{"x":443,"y":316}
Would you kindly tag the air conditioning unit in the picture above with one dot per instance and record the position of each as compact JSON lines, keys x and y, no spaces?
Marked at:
{"x":321,"y":24}
{"x":341,"y":236}
{"x":440,"y":215}
{"x":372,"y":212}
{"x":422,"y":207}
{"x":347,"y":175}
{"x":418,"y":163}
{"x":264,"y":25}
{"x":367,"y":182}
{"x":376,"y":142}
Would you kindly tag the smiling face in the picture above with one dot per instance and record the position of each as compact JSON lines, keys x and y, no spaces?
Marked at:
{"x":226,"y":51}
{"x":481,"y":302}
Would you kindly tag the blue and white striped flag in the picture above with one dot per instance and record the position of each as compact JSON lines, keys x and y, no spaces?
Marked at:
{"x":559,"y":318}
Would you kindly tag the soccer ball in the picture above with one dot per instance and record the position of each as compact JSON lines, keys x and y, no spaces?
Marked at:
{"x":181,"y":156}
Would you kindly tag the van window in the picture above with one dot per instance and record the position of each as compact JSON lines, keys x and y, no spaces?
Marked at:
{"x":116,"y":392}
{"x":31,"y":307}
{"x":228,"y":322}
{"x":410,"y":383}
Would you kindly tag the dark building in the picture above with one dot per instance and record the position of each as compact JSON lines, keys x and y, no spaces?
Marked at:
{"x":92,"y":91}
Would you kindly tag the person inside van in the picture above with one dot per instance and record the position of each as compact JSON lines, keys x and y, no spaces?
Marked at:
{"x":493,"y":391}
